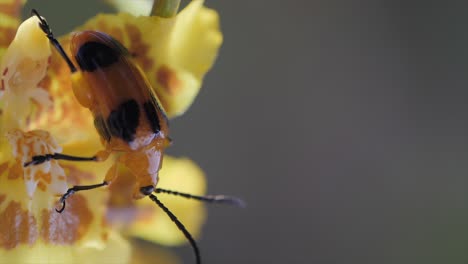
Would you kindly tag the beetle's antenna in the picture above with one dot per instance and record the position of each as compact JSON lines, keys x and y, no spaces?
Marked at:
{"x":208,"y":198}
{"x":45,"y":27}
{"x":179,"y":225}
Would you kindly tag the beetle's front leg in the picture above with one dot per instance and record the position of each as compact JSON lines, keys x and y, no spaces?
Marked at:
{"x":36,"y":160}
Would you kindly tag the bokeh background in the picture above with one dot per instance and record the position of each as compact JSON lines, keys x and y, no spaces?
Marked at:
{"x":343,"y":124}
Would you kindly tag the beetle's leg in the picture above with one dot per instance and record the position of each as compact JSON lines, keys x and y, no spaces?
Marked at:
{"x":75,"y":189}
{"x":46,"y":29}
{"x":36,"y":160}
{"x":111,"y":174}
{"x":208,"y":198}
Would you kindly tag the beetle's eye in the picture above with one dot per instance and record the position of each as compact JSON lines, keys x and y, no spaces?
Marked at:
{"x":94,"y":55}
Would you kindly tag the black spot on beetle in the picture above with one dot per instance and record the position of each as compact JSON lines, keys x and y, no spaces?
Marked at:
{"x":101,"y":128}
{"x":93,"y":55}
{"x":123,"y":122}
{"x":152,"y":116}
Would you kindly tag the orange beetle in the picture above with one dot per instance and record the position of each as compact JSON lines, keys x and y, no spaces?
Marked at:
{"x":127,"y":116}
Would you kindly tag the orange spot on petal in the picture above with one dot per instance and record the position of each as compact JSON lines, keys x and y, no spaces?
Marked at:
{"x":105,"y":236}
{"x":6,"y":34}
{"x":75,"y":175}
{"x":67,"y":227}
{"x":12,"y":9}
{"x":3,"y":167}
{"x":16,"y":226}
{"x":168,"y":79}
{"x":46,"y":177}
{"x":15,"y":171}
{"x":42,"y":186}
{"x":138,"y":48}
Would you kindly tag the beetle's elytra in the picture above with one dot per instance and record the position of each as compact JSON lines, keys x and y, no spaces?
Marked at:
{"x":117,"y":93}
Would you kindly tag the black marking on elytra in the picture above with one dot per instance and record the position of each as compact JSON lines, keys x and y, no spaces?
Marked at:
{"x":101,"y":128}
{"x":152,"y":115}
{"x":93,"y":55}
{"x":123,"y":122}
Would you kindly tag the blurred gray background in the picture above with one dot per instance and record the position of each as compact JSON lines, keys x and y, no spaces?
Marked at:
{"x":343,"y":124}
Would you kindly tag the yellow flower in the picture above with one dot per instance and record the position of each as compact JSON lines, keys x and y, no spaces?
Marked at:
{"x":39,"y":115}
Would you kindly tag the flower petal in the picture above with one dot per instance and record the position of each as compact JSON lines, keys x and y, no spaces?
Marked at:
{"x":10,"y":11}
{"x":117,"y":250}
{"x":22,"y":67}
{"x":145,"y":252}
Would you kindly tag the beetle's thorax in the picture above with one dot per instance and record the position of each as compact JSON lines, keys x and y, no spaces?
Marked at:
{"x":144,"y":164}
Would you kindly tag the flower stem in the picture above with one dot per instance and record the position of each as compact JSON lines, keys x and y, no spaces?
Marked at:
{"x":165,"y":8}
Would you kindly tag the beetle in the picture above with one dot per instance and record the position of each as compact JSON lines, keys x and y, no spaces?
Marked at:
{"x":127,"y":115}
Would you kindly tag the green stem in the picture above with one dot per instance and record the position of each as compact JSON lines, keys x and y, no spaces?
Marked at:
{"x":165,"y":8}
